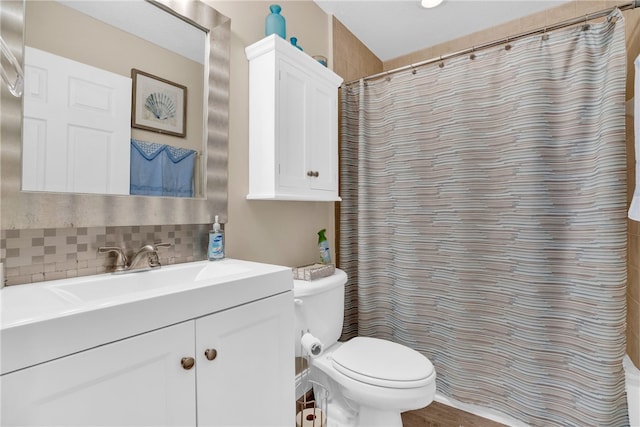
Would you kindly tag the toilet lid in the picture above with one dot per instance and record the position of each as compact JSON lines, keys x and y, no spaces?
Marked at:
{"x":382,"y":363}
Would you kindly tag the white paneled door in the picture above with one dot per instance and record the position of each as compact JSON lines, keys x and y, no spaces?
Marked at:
{"x":77,"y":126}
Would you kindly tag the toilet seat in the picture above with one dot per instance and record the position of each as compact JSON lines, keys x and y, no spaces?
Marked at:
{"x":382,"y":363}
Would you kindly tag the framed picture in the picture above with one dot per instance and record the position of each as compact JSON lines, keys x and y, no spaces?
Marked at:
{"x":158,"y":105}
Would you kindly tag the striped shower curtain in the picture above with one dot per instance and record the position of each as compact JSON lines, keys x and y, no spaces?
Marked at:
{"x":483,"y":222}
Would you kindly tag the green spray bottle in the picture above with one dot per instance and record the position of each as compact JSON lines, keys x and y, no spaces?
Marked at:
{"x":323,"y":246}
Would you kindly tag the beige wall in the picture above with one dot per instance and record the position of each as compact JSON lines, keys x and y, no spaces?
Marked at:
{"x":568,"y":11}
{"x":351,"y":58}
{"x":269,"y":231}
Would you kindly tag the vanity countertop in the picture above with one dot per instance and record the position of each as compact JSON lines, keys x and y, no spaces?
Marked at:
{"x":43,"y":321}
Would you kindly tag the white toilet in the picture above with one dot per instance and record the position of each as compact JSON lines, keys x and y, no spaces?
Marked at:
{"x":369,"y":381}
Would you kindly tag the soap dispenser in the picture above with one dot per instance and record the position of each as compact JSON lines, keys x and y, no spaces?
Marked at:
{"x":216,"y":242}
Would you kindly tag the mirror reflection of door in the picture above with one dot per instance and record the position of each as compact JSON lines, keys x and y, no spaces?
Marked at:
{"x":72,"y":149}
{"x":76,"y":128}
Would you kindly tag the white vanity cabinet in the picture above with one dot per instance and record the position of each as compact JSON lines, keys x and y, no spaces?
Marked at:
{"x":134,"y":382}
{"x":248,"y":381}
{"x":228,"y":367}
{"x":293,"y":124}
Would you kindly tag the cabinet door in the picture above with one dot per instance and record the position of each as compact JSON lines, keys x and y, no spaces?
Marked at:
{"x":308,"y":144}
{"x":322,"y":146}
{"x":293,"y":114}
{"x":138,"y":381}
{"x":250,"y":382}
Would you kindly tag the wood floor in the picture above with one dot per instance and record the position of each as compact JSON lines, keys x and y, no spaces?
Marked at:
{"x":434,"y":415}
{"x":439,"y":415}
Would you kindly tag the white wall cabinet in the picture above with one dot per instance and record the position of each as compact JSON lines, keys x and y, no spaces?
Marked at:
{"x":143,"y":380}
{"x":293,"y":124}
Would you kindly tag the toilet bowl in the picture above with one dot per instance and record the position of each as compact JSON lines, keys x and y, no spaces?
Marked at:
{"x":371,"y":381}
{"x":364,"y":381}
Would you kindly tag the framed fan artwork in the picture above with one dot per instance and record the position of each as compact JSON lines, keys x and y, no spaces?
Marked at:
{"x":158,"y":105}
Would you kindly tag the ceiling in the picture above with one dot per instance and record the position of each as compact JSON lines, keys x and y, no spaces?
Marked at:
{"x":392,"y":28}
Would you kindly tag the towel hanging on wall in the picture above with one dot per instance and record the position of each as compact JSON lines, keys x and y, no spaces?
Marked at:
{"x":161,"y":170}
{"x":634,"y":209}
{"x":177,"y":171}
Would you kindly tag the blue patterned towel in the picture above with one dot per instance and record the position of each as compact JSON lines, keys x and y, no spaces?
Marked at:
{"x":161,"y":170}
{"x":177,"y":172}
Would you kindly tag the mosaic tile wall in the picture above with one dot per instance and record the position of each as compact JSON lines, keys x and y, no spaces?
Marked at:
{"x":35,"y":255}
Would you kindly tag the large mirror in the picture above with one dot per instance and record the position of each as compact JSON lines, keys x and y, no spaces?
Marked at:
{"x":209,"y":138}
{"x":79,"y":134}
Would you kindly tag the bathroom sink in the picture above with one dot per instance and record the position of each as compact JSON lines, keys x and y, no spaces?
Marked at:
{"x":219,"y":269}
{"x":86,"y":291}
{"x":30,"y":303}
{"x":120,"y":287}
{"x":63,"y":316}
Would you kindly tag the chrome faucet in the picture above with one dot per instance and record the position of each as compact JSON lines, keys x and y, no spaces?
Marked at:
{"x":144,"y":259}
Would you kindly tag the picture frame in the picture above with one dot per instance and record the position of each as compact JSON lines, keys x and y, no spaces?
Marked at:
{"x":158,"y":105}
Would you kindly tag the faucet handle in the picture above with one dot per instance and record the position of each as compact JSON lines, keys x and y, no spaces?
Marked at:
{"x":154,"y":260}
{"x":121,"y":258}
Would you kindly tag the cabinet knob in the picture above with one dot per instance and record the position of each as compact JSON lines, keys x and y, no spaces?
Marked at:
{"x":211,"y":353}
{"x":187,"y":362}
{"x":313,"y":173}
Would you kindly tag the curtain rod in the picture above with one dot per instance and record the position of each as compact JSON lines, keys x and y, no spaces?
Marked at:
{"x":627,"y":6}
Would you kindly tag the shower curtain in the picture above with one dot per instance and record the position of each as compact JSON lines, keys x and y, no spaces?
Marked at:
{"x":483,"y":222}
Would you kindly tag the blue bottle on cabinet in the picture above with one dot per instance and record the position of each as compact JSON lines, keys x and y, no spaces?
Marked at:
{"x":275,"y":23}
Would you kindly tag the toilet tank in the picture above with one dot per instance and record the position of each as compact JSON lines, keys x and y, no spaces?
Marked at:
{"x":320,"y":308}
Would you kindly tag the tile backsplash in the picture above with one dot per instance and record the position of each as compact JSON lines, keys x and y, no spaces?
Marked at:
{"x":35,"y":255}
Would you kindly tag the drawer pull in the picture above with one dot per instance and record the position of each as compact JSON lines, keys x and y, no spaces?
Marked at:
{"x":187,"y":362}
{"x":211,"y":353}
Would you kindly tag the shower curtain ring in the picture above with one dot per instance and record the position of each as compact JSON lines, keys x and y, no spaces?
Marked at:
{"x":413,"y":70}
{"x":387,"y":77}
{"x":545,"y":36}
{"x":441,"y":64}
{"x":586,"y":25}
{"x":508,"y":45}
{"x":473,"y":55}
